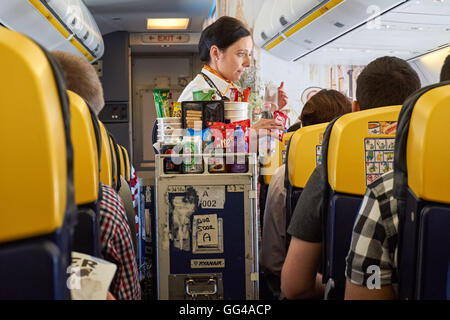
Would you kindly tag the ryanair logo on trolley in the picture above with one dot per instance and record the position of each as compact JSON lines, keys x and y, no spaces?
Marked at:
{"x":207,"y":263}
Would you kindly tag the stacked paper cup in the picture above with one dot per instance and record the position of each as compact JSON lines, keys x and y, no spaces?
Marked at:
{"x":236,"y":111}
{"x":169,"y":129}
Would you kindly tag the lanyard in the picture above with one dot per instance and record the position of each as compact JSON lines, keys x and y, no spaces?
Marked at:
{"x":212,"y":85}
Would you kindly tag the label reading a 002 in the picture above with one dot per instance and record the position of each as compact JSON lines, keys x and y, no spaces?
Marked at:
{"x":208,"y":204}
{"x":211,"y":197}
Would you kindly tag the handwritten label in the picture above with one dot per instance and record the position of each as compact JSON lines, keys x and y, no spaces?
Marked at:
{"x":211,"y":197}
{"x":207,"y":230}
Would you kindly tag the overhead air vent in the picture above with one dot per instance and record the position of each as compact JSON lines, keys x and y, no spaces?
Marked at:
{"x":263,"y":35}
{"x":339,"y":25}
{"x":283,"y":21}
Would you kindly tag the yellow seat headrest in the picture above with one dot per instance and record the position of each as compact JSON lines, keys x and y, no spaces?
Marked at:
{"x":86,"y":171}
{"x":114,"y":161}
{"x":127,"y":164}
{"x":428,"y":146}
{"x":304,"y":153}
{"x":106,"y":170}
{"x":361,"y":148}
{"x":122,"y":161}
{"x":33,"y":141}
{"x":271,"y":163}
{"x":284,"y":144}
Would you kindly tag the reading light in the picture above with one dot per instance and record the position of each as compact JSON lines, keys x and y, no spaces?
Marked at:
{"x":168,"y":24}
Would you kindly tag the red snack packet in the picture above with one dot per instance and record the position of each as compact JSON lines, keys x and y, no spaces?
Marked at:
{"x":215,"y":124}
{"x":234,"y":95}
{"x":281,"y":118}
{"x":228,"y":136}
{"x":222,"y":134}
{"x":246,"y":94}
{"x":217,"y":130}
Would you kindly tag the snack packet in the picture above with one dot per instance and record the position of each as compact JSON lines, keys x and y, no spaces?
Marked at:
{"x":204,"y":95}
{"x":205,"y":136}
{"x":228,"y":137}
{"x":282,"y":119}
{"x":176,"y":109}
{"x":234,"y":95}
{"x":246,"y":94}
{"x":161,"y":97}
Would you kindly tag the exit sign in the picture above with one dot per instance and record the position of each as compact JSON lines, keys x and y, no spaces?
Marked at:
{"x":165,"y":38}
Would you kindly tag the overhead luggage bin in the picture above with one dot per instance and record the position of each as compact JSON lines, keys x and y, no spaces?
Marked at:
{"x":56,"y":25}
{"x":290,"y":29}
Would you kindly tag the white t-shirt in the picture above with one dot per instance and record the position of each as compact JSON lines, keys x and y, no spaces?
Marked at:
{"x":199,"y":83}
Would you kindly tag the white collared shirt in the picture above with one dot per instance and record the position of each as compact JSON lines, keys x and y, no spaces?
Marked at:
{"x":199,"y":83}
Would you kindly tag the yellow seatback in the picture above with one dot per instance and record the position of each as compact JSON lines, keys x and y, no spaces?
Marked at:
{"x":271,"y":163}
{"x":122,"y":161}
{"x":304,"y":153}
{"x":85,"y":166}
{"x":361,"y":148}
{"x":127,"y":163}
{"x":33,"y":142}
{"x":428,"y":146}
{"x":105,"y":160}
{"x":283,"y":147}
{"x":114,"y":160}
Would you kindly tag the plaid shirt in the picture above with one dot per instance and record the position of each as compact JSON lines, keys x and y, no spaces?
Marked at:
{"x":375,"y":235}
{"x":117,"y":246}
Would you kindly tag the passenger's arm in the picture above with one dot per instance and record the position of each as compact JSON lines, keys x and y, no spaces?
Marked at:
{"x":273,"y":249}
{"x":264,"y":127}
{"x":299,"y":274}
{"x":356,"y":292}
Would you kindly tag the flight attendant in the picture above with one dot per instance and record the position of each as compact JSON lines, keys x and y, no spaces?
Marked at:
{"x":226,"y":48}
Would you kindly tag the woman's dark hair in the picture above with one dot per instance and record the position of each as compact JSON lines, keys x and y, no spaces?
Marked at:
{"x":324,"y":106}
{"x":222,"y":33}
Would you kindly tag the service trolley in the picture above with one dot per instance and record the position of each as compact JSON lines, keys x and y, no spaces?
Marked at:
{"x":207,"y":233}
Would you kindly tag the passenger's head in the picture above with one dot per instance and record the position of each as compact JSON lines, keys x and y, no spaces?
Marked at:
{"x":81,"y":78}
{"x":386,"y":81}
{"x":226,"y":46}
{"x":445,"y":71}
{"x":324,"y":106}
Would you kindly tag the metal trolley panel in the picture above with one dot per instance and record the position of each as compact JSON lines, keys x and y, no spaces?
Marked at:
{"x":207,"y":241}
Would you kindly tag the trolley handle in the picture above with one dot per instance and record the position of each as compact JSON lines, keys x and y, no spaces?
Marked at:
{"x":194,"y":294}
